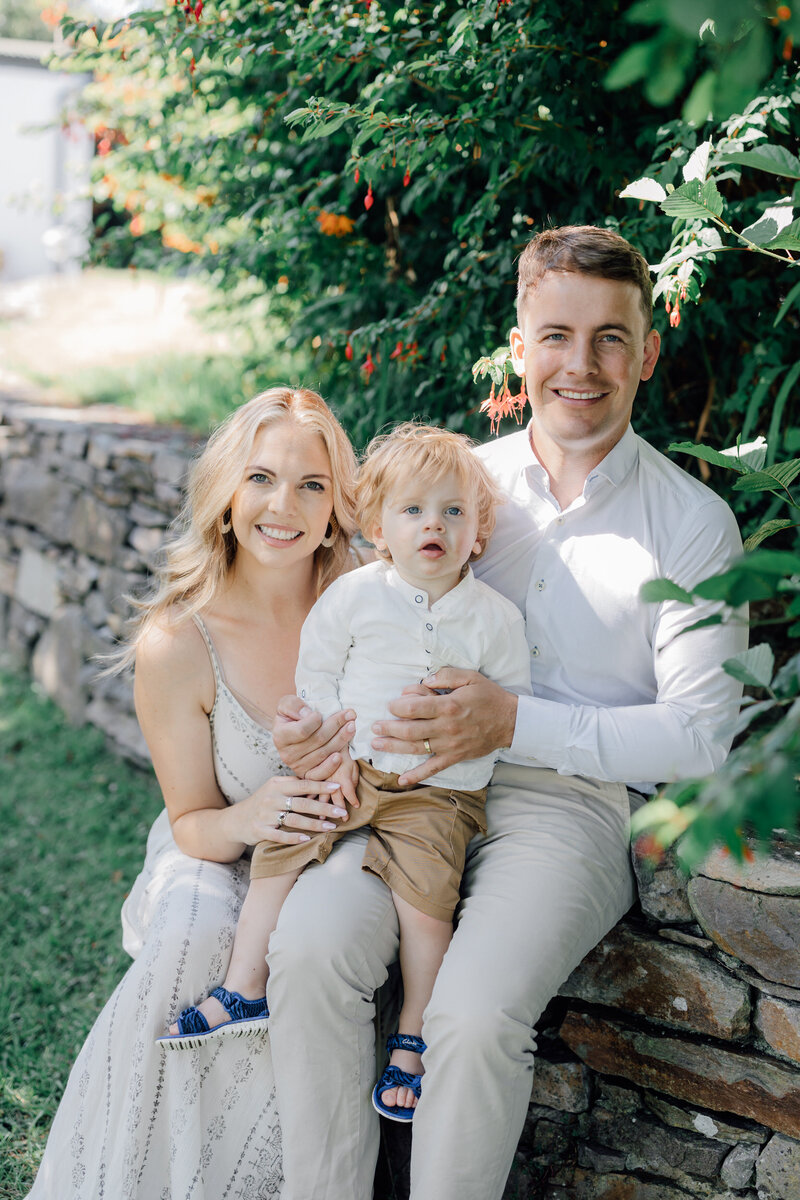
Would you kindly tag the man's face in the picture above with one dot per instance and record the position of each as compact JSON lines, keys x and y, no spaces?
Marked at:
{"x":583,"y":348}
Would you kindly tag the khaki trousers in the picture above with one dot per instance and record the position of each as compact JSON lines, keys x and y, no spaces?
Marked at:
{"x":546,"y":882}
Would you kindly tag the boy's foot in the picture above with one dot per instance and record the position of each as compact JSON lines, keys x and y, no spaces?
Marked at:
{"x":397,"y":1091}
{"x":221,"y":1013}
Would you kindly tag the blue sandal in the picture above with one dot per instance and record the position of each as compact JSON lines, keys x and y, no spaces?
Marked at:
{"x":247,"y":1016}
{"x":394,"y":1077}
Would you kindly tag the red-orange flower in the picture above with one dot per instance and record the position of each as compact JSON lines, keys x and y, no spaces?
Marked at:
{"x":368,"y":200}
{"x":334,"y":224}
{"x":504,"y":405}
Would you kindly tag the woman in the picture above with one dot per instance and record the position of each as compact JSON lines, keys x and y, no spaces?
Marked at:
{"x":266,"y":527}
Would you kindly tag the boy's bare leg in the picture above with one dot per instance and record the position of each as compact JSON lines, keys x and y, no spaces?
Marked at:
{"x":423,"y":942}
{"x":247,"y":971}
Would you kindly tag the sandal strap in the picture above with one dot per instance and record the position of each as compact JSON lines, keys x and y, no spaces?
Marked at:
{"x":406,"y":1041}
{"x":237,"y":1008}
{"x":394,"y":1077}
{"x":192,"y":1021}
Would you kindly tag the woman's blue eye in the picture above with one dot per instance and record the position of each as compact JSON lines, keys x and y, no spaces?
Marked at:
{"x":314,"y":485}
{"x":258,"y":477}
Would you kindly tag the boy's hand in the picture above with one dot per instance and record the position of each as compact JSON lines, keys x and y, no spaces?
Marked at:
{"x":475,"y":718}
{"x":309,"y":746}
{"x":346,"y":775}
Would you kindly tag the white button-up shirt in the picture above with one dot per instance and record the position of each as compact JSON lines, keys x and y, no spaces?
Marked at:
{"x":616,"y":693}
{"x":371,"y":634}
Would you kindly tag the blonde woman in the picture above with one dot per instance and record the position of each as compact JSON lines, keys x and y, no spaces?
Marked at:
{"x":266,"y":528}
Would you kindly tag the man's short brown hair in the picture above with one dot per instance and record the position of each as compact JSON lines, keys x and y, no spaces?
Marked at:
{"x":585,"y":250}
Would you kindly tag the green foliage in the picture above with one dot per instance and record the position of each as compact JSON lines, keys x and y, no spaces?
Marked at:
{"x":756,"y":790}
{"x":376,"y":168}
{"x":731,"y":43}
{"x":74,"y":821}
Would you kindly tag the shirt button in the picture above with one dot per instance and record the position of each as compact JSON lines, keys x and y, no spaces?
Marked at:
{"x":540,"y":585}
{"x":559,"y":520}
{"x":534,"y":651}
{"x":428,"y":625}
{"x":420,"y":599}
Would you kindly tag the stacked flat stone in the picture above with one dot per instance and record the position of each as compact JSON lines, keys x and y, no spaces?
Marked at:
{"x":85,"y":503}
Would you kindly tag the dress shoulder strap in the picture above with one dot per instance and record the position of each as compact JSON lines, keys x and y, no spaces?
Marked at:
{"x":212,"y":654}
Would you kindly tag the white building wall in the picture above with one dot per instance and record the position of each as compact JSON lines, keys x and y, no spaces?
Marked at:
{"x":45,"y":209}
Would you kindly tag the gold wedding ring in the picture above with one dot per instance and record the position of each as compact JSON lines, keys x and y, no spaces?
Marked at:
{"x":427,"y":746}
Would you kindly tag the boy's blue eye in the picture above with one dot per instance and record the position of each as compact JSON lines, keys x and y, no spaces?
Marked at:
{"x":413,"y":509}
{"x":453,"y":511}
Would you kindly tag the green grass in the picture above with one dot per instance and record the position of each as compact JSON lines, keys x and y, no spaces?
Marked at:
{"x":186,"y":390}
{"x":74,"y":820}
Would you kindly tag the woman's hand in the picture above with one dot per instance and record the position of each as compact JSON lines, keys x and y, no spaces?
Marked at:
{"x":308,"y":745}
{"x":310,"y":807}
{"x":473,"y":719}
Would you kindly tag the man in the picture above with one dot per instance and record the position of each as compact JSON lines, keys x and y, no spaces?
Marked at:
{"x":620,"y":703}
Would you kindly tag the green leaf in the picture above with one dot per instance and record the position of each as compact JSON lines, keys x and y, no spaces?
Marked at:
{"x":693,"y":199}
{"x":753,"y":667}
{"x":787,"y":304}
{"x":775,"y":478}
{"x":714,"y":619}
{"x":700,"y":100}
{"x":787,"y":239}
{"x":656,"y":590}
{"x":708,"y":455}
{"x":766,"y":530}
{"x":632,"y":64}
{"x":767,"y":157}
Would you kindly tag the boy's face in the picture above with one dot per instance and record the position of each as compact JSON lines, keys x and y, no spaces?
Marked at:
{"x":430,"y":528}
{"x":584,"y":348}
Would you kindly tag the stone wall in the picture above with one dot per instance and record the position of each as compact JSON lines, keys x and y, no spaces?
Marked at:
{"x":670,"y":1064}
{"x":668,"y":1067}
{"x":85,"y":501}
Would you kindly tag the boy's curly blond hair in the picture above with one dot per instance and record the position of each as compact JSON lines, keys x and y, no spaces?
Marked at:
{"x":425,"y":453}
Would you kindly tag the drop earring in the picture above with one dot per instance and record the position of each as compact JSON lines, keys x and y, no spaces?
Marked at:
{"x":226,"y":525}
{"x":330,"y":534}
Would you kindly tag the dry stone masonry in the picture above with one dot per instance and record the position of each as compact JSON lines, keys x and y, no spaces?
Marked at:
{"x":669,"y":1065}
{"x":84,"y":507}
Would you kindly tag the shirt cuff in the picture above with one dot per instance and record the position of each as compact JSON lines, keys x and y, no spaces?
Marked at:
{"x":541,"y":731}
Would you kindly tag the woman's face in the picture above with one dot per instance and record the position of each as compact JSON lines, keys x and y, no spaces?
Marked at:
{"x":281,"y":509}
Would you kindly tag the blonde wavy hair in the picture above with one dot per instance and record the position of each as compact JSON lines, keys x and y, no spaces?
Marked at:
{"x":422,"y":453}
{"x":199,"y":559}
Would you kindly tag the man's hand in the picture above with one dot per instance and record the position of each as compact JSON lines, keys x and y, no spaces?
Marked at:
{"x":308,"y":745}
{"x":475,"y":718}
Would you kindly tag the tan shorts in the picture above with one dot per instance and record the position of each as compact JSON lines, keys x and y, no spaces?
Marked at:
{"x":418,"y":843}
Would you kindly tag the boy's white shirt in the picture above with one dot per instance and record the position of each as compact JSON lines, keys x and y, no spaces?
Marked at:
{"x":371,"y":634}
